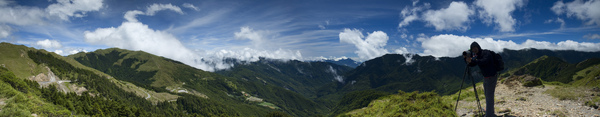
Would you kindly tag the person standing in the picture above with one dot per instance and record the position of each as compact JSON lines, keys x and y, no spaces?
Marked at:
{"x":483,"y":59}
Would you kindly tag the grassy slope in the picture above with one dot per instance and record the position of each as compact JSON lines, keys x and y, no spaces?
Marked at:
{"x":167,"y":73}
{"x":15,"y":59}
{"x":17,"y":103}
{"x":405,"y":104}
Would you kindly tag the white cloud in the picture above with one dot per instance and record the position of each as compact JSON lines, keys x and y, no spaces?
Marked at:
{"x":131,"y":15}
{"x":588,"y":11}
{"x":75,"y":51}
{"x":138,"y":36}
{"x":335,"y":75}
{"x":592,"y":36}
{"x":59,"y":52}
{"x":49,"y":44}
{"x":370,"y":47}
{"x":159,"y":7}
{"x":448,"y":45}
{"x":191,"y":6}
{"x":5,"y":31}
{"x":13,"y":14}
{"x":401,"y":50}
{"x":455,"y":17}
{"x":557,"y":20}
{"x":150,"y":11}
{"x":135,"y":35}
{"x":499,"y":12}
{"x":410,"y":14}
{"x":69,"y":8}
{"x":248,"y":33}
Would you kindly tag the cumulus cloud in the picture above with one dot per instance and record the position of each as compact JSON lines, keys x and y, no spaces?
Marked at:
{"x":592,"y":36}
{"x":588,"y":11}
{"x":448,"y":45}
{"x":369,"y":47}
{"x":49,"y":44}
{"x":499,"y":12}
{"x":455,"y":17}
{"x":191,"y":6}
{"x":138,"y":36}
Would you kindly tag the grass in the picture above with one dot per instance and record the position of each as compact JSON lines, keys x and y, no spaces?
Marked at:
{"x":566,"y":93}
{"x":21,"y":104}
{"x":587,"y":77}
{"x":467,"y":94}
{"x":406,"y":104}
{"x":270,"y":105}
{"x":141,"y":92}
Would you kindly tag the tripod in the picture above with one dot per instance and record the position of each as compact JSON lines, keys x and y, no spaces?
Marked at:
{"x":468,"y":74}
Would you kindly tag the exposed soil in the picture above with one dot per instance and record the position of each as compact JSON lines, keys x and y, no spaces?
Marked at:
{"x":513,"y":99}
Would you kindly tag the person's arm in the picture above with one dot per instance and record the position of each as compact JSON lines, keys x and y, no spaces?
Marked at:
{"x":485,"y":59}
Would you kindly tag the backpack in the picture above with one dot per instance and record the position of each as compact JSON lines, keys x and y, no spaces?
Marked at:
{"x":497,"y":61}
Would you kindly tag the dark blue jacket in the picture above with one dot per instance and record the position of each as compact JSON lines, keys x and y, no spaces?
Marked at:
{"x":485,"y":62}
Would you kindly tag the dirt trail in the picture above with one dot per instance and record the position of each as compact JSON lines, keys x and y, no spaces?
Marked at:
{"x":528,"y":101}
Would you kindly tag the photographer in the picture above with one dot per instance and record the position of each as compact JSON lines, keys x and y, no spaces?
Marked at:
{"x":483,"y":58}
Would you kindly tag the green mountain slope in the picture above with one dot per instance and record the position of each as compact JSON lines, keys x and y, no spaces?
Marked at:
{"x":554,"y":69}
{"x":297,"y":76}
{"x":165,"y":75}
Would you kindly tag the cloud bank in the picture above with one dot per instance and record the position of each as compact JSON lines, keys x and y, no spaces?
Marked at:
{"x":448,"y":45}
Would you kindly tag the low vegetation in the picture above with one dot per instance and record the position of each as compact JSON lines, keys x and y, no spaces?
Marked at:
{"x":406,"y":105}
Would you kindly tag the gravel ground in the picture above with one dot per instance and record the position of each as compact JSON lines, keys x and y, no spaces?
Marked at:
{"x":516,"y":100}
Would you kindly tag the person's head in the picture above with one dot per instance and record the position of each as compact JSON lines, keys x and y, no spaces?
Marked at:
{"x":475,"y":48}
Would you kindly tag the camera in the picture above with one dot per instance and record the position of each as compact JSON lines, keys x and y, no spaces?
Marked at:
{"x":467,"y":53}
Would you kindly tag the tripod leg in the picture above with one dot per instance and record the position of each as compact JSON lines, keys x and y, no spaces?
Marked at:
{"x":475,"y":91}
{"x":461,"y":86}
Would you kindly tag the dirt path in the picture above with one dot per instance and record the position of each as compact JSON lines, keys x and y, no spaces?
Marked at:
{"x":147,"y":97}
{"x":529,"y":101}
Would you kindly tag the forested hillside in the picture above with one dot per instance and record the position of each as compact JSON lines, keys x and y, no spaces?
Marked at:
{"x":166,"y":75}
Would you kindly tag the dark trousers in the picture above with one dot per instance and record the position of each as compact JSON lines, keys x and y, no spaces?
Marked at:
{"x":489,"y":86}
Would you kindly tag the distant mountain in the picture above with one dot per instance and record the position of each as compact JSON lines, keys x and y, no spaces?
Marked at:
{"x":344,"y":61}
{"x":293,"y":75}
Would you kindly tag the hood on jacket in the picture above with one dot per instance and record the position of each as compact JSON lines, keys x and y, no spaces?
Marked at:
{"x":475,"y":45}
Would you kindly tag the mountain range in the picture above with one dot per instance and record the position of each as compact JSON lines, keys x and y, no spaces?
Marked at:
{"x":150,"y":85}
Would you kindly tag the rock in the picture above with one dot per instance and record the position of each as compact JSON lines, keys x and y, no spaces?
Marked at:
{"x":504,"y":111}
{"x":521,"y":99}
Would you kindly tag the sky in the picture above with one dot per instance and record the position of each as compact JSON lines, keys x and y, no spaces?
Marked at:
{"x":203,"y":33}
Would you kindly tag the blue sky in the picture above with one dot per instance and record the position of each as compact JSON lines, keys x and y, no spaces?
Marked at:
{"x":202,"y":33}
